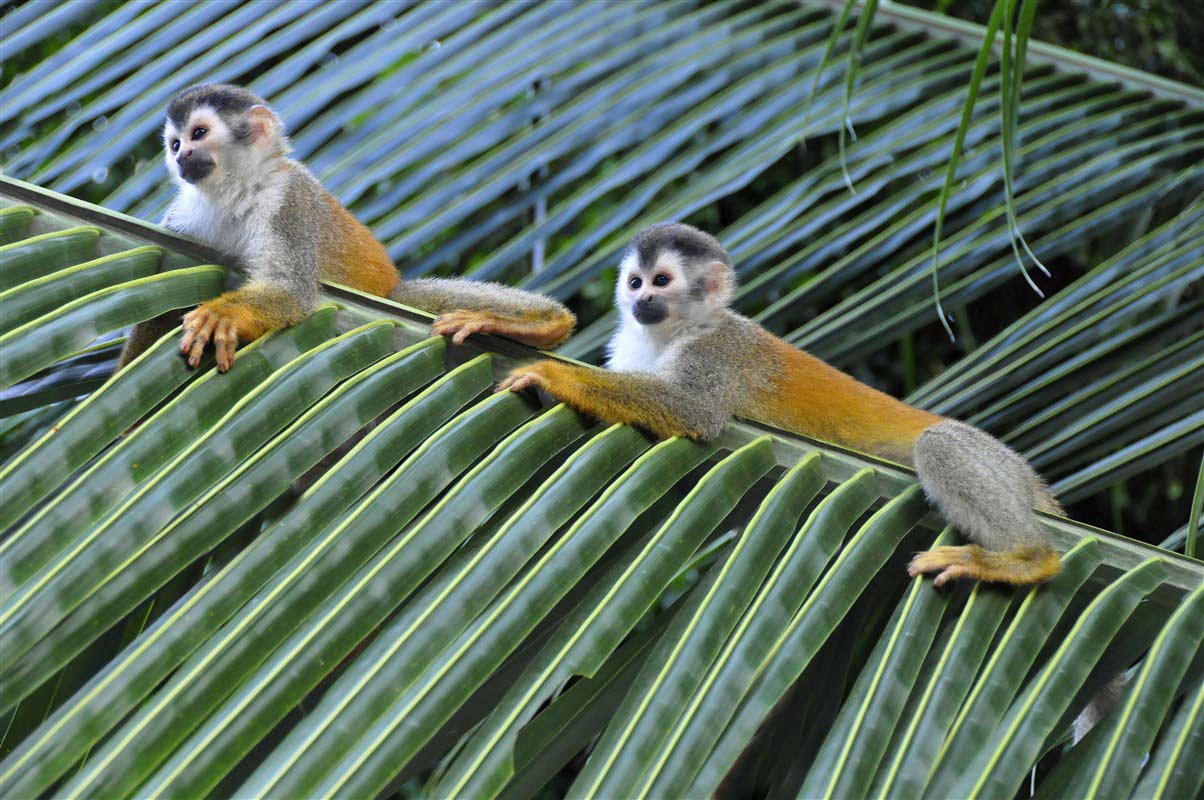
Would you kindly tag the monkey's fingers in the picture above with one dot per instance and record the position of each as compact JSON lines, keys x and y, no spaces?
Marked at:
{"x":190,"y":324}
{"x":466,"y":330}
{"x":518,"y":380}
{"x":201,"y":334}
{"x":225,"y":342}
{"x":459,"y":325}
{"x":955,"y":572}
{"x":948,"y":562}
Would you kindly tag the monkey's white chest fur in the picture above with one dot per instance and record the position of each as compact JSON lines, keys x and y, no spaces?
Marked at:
{"x":235,"y":220}
{"x":634,"y":348}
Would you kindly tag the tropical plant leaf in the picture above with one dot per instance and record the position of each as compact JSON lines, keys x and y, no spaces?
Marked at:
{"x":346,"y":565}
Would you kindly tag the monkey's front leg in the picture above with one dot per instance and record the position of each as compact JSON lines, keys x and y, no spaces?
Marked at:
{"x":242,"y":315}
{"x":631,"y":398}
{"x":535,"y":330}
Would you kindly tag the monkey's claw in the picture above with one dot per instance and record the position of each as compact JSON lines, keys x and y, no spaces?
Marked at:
{"x":202,"y":324}
{"x":950,"y":563}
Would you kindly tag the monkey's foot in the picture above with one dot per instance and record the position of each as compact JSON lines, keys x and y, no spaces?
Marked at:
{"x":206,"y":322}
{"x":523,"y":378}
{"x":459,"y":325}
{"x":1018,"y":567}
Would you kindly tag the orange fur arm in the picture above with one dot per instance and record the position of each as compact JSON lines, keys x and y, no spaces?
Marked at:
{"x":628,"y":397}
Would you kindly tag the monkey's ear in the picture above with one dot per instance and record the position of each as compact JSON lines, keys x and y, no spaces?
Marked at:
{"x":264,"y":125}
{"x":719,"y":284}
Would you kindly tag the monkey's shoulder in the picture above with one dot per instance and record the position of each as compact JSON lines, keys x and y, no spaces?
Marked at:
{"x":731,"y":338}
{"x":728,"y":351}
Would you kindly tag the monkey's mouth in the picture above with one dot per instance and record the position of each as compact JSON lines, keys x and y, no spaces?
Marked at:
{"x":196,"y":168}
{"x":649,"y":313}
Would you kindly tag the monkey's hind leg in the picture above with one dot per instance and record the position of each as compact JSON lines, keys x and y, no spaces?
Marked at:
{"x":987,"y":492}
{"x":1018,"y":567}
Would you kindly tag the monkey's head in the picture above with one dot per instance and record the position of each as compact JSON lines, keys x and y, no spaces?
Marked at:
{"x":674,"y":273}
{"x":217,"y":130}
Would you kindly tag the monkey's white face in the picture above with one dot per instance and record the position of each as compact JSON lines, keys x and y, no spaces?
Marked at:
{"x":671,"y":289}
{"x":195,"y":152}
{"x":652,"y":293}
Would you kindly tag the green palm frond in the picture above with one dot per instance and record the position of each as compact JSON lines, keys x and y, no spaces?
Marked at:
{"x":169,"y":602}
{"x":347,"y":567}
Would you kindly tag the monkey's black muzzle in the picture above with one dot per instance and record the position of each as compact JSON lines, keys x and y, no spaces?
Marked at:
{"x":649,"y":310}
{"x":195,"y":166}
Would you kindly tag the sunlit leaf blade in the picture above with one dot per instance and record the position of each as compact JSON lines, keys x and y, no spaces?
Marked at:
{"x":673,"y":674}
{"x":846,"y":762}
{"x":597,"y":625}
{"x":299,"y":603}
{"x":96,"y":422}
{"x":52,"y":336}
{"x":14,"y":223}
{"x":1114,"y":754}
{"x":441,"y":612}
{"x":34,"y":298}
{"x":916,"y":745}
{"x":258,"y":481}
{"x":139,"y":669}
{"x":706,"y":753}
{"x":999,"y":767}
{"x":137,"y":457}
{"x":41,"y":255}
{"x":1172,"y":771}
{"x":95,"y":558}
{"x":1000,"y":679}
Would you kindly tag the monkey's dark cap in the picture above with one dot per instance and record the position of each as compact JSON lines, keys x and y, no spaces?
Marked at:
{"x":691,"y":243}
{"x":224,"y":98}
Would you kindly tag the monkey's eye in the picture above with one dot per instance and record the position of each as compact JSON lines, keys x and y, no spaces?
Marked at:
{"x":660,"y":280}
{"x":175,"y":145}
{"x":198,"y":133}
{"x":634,"y":282}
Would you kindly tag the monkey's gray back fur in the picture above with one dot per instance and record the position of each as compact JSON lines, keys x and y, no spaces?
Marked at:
{"x":983,"y":487}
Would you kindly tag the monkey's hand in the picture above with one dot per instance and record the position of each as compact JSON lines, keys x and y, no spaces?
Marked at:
{"x":526,"y":377}
{"x":222,"y":321}
{"x":207,"y":322}
{"x":535,"y":330}
{"x":244,"y":314}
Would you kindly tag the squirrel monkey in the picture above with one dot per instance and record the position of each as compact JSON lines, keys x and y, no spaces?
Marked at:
{"x":682,"y":363}
{"x":242,"y":195}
